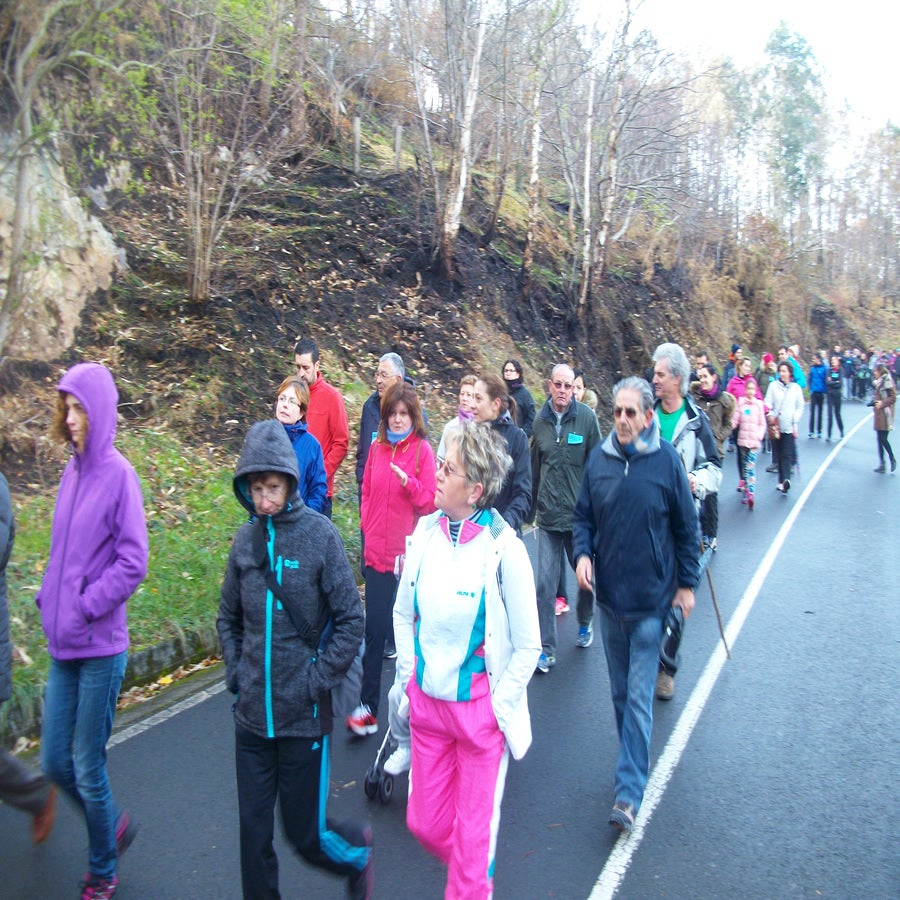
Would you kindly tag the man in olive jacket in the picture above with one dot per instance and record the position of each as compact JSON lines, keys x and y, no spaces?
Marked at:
{"x":563,"y":435}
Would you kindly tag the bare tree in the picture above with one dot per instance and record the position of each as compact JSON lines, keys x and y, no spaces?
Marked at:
{"x":228,"y":111}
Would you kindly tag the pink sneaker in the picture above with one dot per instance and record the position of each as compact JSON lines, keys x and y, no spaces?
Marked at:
{"x":561,"y":606}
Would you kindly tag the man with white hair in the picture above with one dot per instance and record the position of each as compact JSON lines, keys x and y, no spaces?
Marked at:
{"x":688,"y":429}
{"x":389,"y":371}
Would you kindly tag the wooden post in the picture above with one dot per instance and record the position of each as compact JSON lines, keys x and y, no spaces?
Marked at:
{"x":356,"y":140}
{"x":398,"y":138}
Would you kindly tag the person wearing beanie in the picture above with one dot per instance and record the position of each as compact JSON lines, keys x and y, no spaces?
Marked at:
{"x":734,"y":359}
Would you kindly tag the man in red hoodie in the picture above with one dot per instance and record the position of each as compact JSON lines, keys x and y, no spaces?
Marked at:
{"x":326,"y":417}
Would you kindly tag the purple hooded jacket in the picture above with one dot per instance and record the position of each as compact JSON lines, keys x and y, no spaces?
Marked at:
{"x":98,"y":543}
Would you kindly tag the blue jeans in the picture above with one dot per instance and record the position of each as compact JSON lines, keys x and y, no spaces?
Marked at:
{"x":79,"y":705}
{"x":632,"y":658}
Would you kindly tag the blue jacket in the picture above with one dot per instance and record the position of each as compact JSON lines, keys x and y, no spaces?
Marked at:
{"x":313,"y":484}
{"x":635,"y":519}
{"x":818,"y":376}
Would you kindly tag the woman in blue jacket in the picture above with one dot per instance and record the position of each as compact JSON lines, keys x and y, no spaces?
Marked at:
{"x":291,"y":405}
{"x":818,"y":385}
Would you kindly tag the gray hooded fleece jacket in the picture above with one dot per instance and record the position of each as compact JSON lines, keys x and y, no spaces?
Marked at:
{"x":283,"y":684}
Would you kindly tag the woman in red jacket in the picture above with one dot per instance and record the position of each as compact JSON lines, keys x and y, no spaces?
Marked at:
{"x":398,"y":487}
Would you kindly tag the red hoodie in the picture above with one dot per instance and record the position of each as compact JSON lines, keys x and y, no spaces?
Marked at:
{"x":326,"y":421}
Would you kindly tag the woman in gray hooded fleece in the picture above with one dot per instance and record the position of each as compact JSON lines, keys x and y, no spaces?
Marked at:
{"x":288,"y":577}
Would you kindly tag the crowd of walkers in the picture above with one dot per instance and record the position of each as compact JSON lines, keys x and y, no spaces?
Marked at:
{"x":449,"y":588}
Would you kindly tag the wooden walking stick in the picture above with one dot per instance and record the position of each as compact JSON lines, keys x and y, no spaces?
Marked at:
{"x":712,"y":590}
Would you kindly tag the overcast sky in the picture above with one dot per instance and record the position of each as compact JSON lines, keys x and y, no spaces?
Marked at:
{"x":855,"y":42}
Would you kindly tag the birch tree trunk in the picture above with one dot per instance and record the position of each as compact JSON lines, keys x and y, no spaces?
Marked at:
{"x":457,"y":188}
{"x":587,"y":215}
{"x":534,"y":176}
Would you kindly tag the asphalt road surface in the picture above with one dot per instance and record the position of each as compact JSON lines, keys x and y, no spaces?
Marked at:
{"x":775,"y":772}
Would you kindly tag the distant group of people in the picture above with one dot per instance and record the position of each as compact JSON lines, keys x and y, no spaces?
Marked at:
{"x":449,"y":588}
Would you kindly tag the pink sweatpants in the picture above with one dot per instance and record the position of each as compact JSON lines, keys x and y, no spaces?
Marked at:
{"x":456,"y":779}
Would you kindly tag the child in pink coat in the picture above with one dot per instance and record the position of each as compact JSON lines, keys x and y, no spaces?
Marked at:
{"x":749,"y":418}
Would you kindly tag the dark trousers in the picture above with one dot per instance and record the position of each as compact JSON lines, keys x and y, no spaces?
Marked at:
{"x":834,"y":410}
{"x":816,"y":409}
{"x":783,"y":451}
{"x":709,"y":514}
{"x":884,"y":447}
{"x":22,"y":786}
{"x":296,"y":771}
{"x":381,"y":590}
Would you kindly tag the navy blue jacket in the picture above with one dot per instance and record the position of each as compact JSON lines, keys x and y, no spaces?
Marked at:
{"x":635,"y":519}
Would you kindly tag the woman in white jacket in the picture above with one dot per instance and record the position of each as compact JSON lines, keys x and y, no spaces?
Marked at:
{"x":784,"y":401}
{"x":467,"y":635}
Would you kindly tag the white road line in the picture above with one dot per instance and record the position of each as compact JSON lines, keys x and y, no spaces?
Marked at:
{"x":158,"y":718}
{"x":616,"y":868}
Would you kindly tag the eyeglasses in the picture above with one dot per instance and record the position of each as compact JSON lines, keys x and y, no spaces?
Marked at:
{"x":449,"y":471}
{"x":288,"y":400}
{"x":275,"y":493}
{"x":383,"y":376}
{"x":628,"y":411}
{"x":563,"y":385}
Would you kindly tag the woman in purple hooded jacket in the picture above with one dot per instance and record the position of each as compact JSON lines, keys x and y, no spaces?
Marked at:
{"x":98,"y":557}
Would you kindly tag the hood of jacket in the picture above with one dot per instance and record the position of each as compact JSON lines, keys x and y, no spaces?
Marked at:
{"x":267,"y":448}
{"x":648,"y":444}
{"x":93,"y":386}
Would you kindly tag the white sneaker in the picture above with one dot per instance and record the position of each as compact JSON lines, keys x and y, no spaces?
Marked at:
{"x":398,"y":761}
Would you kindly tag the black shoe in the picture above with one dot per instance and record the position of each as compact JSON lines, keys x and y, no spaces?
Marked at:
{"x":390,"y":651}
{"x":786,"y":486}
{"x":893,"y":466}
{"x":772,"y":468}
{"x":360,"y":886}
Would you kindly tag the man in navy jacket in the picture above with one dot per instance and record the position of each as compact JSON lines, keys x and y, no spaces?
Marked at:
{"x":637,"y":539}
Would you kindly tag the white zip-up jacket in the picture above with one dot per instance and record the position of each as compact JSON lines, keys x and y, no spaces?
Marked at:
{"x":488,"y":564}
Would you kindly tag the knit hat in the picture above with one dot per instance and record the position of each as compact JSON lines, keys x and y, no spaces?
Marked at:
{"x":767,"y":358}
{"x":735,"y":348}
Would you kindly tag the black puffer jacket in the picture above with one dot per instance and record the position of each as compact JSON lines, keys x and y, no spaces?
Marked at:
{"x":514,"y":500}
{"x":283,"y":684}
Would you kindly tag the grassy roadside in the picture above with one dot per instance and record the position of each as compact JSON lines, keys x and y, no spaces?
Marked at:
{"x":192,"y":516}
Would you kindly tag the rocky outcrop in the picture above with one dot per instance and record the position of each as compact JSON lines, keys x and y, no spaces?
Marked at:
{"x":71,"y":256}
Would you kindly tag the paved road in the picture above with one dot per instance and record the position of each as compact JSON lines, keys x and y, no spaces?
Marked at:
{"x":785,"y":785}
